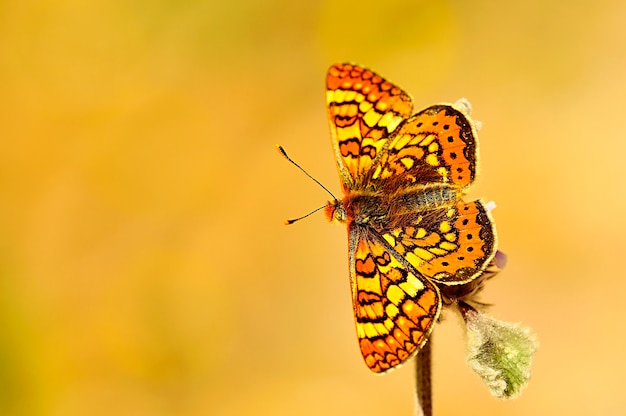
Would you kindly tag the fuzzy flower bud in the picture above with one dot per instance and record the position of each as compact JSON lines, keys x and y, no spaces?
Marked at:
{"x":499,"y":352}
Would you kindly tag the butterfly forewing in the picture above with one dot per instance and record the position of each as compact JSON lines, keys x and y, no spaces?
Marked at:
{"x":363,"y":109}
{"x":394,"y":309}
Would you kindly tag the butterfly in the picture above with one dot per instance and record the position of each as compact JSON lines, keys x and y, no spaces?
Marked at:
{"x":414,"y":243}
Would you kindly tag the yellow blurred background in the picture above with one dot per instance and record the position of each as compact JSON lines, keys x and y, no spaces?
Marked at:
{"x":145,"y":269}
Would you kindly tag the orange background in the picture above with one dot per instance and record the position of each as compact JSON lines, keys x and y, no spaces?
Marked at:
{"x":145,"y":268}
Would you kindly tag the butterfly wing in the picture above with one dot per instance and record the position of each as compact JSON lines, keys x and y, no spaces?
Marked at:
{"x":437,"y":145}
{"x":395,"y":309}
{"x":451,"y":245}
{"x":363,"y":110}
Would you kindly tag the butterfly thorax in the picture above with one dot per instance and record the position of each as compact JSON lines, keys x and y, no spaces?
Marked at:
{"x":383,"y":210}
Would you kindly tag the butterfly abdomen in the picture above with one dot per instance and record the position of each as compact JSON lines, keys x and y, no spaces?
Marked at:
{"x":426,"y":198}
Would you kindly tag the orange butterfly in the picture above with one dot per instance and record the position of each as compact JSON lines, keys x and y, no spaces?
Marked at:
{"x":414,"y":244}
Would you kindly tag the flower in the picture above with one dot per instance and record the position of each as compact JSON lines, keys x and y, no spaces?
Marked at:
{"x":499,"y":352}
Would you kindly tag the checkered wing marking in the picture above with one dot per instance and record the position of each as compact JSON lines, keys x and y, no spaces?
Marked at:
{"x":363,"y":110}
{"x":394,"y":309}
{"x":437,"y":145}
{"x":448,"y":245}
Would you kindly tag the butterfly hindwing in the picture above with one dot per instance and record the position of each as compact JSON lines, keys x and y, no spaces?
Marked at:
{"x":437,"y":145}
{"x":395,"y":309}
{"x":448,"y":245}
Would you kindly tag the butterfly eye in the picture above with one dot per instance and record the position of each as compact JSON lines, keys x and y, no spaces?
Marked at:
{"x":339,"y":213}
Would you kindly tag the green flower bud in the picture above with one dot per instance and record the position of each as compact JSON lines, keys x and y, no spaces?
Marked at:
{"x":499,"y":352}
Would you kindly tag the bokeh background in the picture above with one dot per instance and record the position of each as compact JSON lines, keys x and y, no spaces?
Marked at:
{"x":145,"y":268}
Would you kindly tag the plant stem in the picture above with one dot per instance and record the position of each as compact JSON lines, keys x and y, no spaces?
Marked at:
{"x":423,"y":385}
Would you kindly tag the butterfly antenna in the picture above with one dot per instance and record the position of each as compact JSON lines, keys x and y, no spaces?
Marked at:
{"x":282,"y":152}
{"x":289,"y":222}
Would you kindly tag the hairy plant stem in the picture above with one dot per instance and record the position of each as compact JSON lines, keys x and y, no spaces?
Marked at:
{"x":423,"y":385}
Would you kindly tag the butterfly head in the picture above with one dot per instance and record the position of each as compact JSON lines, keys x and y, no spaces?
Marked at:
{"x":336,"y":211}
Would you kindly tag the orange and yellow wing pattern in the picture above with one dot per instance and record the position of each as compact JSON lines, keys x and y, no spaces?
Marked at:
{"x":437,"y":145}
{"x":363,"y":110}
{"x":394,"y":308}
{"x":426,"y":235}
{"x":450,"y":245}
